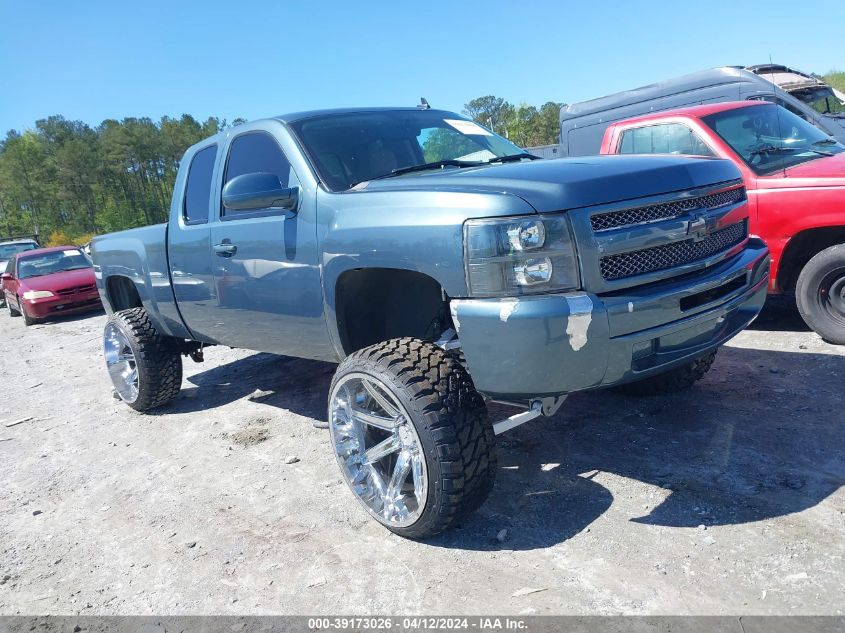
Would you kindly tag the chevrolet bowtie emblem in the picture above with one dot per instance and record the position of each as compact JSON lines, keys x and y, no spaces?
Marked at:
{"x":697,"y":228}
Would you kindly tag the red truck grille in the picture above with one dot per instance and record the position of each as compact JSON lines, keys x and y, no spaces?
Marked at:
{"x":649,"y":260}
{"x":665,"y":211}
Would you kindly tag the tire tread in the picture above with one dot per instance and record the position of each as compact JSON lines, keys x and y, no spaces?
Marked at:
{"x":452,"y":412}
{"x":157,"y":358}
{"x":672,"y":381}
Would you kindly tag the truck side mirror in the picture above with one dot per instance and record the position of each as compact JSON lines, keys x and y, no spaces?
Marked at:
{"x":258,"y":190}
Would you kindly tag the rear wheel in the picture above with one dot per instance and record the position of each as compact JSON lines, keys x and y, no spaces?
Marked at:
{"x":673,"y":380}
{"x":820,"y":294}
{"x":411,"y":436}
{"x":145,"y":367}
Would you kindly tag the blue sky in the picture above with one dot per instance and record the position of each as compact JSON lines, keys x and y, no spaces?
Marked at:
{"x":93,"y":60}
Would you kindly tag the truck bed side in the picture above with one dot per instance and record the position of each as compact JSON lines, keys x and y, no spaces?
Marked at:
{"x":132,"y":270}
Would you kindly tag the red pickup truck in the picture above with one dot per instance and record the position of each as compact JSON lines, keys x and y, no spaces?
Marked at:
{"x":795,"y":180}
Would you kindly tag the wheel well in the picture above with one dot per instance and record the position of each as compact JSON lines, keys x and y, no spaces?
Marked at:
{"x":122,"y":293}
{"x":802,"y":248}
{"x":377,"y":304}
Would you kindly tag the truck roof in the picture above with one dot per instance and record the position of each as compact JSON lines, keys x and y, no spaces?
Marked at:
{"x":19,"y":240}
{"x":695,"y":112}
{"x":294,"y":117}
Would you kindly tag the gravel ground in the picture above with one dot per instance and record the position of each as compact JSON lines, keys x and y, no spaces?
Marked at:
{"x":724,"y":499}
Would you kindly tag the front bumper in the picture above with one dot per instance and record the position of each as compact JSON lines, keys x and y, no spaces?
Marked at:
{"x":61,"y":304}
{"x":548,"y":345}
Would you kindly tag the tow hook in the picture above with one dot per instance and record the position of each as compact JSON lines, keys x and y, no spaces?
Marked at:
{"x":540,"y":406}
{"x":194,"y":350}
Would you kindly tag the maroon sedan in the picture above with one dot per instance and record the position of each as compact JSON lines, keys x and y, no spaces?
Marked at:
{"x":49,"y":281}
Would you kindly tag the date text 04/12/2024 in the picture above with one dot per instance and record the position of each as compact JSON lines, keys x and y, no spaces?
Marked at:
{"x":417,"y":623}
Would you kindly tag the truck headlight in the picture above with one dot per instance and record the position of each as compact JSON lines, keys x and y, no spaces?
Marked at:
{"x":522,"y":255}
{"x":37,"y":294}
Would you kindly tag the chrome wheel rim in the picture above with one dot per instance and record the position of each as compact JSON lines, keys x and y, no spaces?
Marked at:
{"x":378,"y":450}
{"x":120,"y":361}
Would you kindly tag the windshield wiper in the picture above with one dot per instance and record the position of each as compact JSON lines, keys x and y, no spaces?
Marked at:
{"x":514,"y":157}
{"x":450,"y":162}
{"x":826,"y":141}
{"x":771,"y":149}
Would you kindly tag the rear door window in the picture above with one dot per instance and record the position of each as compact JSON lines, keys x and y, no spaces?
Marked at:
{"x":198,"y":186}
{"x":665,"y":138}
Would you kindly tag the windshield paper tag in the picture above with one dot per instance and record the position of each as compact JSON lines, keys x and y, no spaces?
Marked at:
{"x":470,"y":128}
{"x":70,"y":253}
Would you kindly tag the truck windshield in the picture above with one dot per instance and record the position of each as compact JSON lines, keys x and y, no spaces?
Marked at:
{"x":52,"y":262}
{"x":7,"y":250}
{"x":350,"y":148}
{"x":769,"y":138}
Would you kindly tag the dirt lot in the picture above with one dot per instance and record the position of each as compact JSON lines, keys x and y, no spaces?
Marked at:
{"x":725,"y":499}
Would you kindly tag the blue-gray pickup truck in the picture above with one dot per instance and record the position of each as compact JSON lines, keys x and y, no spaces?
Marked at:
{"x":443,"y":268}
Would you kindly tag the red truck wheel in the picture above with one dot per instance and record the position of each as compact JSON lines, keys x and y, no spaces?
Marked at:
{"x":820,"y":294}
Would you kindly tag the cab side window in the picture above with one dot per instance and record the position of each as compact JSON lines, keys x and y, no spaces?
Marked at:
{"x":198,"y":186}
{"x":257,"y":152}
{"x":665,"y":138}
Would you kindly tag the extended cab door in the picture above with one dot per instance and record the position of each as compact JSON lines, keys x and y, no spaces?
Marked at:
{"x":189,"y":244}
{"x":264,"y":260}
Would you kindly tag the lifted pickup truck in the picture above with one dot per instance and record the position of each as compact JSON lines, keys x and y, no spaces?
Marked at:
{"x":443,"y":267}
{"x":795,"y":176}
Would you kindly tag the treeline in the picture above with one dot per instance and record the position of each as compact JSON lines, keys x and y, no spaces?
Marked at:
{"x":67,"y":181}
{"x":525,"y":125}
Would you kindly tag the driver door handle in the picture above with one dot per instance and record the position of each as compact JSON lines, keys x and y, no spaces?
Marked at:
{"x":225,"y":249}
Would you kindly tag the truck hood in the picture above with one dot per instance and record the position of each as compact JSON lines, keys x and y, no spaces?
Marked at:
{"x":570,"y":183}
{"x":60,"y":281}
{"x":830,"y":170}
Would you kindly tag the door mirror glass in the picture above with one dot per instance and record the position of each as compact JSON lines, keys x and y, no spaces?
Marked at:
{"x":258,"y":190}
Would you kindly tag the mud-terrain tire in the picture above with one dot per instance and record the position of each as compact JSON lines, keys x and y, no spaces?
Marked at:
{"x":433,"y":394}
{"x":671,"y":381}
{"x":820,"y":294}
{"x":145,"y":367}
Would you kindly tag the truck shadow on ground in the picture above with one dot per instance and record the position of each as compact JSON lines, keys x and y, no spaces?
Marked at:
{"x":760,"y":437}
{"x":780,"y":314}
{"x":294,"y":384}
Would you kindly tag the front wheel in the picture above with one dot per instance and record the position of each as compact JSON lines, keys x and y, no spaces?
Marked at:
{"x":145,"y":367}
{"x":27,"y":320}
{"x":411,"y":436}
{"x":820,"y":294}
{"x":671,"y":381}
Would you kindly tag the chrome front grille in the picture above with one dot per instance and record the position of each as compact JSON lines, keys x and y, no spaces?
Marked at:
{"x":666,"y":210}
{"x":630,"y":264}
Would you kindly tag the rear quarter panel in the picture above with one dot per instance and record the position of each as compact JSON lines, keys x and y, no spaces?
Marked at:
{"x":140,"y":255}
